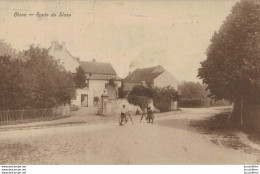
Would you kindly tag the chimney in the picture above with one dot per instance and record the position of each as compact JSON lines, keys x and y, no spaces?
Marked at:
{"x":94,"y":60}
{"x":63,"y":45}
{"x":53,"y":43}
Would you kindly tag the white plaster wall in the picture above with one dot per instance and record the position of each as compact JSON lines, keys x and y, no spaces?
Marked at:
{"x":114,"y":107}
{"x":166,"y":79}
{"x":66,"y":60}
{"x":97,"y":86}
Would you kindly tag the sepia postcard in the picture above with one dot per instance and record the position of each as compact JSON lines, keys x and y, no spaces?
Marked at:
{"x":136,"y":82}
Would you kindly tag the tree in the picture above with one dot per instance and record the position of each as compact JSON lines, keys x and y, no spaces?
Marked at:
{"x":7,"y":50}
{"x":33,"y":79}
{"x":141,"y":96}
{"x":193,"y":90}
{"x":162,"y":97}
{"x":232,"y":67}
{"x":141,"y":101}
{"x":121,"y":93}
{"x":12,"y":84}
{"x":80,"y":78}
{"x":112,"y":82}
{"x":49,"y":84}
{"x":165,"y":97}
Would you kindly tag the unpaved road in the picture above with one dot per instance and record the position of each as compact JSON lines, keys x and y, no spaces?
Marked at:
{"x":107,"y":143}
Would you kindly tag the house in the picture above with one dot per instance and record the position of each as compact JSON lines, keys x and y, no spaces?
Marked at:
{"x":153,"y":76}
{"x":59,"y":52}
{"x":98,"y":74}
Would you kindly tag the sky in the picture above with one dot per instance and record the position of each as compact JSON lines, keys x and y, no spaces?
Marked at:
{"x":128,"y":34}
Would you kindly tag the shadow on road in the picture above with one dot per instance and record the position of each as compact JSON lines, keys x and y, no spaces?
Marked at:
{"x":223,"y":132}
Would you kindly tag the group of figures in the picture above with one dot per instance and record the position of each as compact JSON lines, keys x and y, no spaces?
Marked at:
{"x":126,"y":115}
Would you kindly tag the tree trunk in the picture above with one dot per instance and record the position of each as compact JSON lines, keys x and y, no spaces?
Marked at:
{"x":241,"y":112}
{"x":237,"y":112}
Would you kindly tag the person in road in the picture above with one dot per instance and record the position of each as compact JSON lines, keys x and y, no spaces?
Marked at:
{"x":123,"y":115}
{"x":150,"y":114}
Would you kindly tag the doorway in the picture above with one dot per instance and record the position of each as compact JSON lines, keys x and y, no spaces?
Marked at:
{"x":84,"y":100}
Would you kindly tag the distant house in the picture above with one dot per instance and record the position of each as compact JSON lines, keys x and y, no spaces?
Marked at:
{"x":153,"y":76}
{"x":59,"y":52}
{"x":98,"y":76}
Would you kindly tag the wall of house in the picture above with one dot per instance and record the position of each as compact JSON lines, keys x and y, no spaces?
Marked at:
{"x":69,"y":63}
{"x":96,"y":87}
{"x":166,"y":79}
{"x":79,"y":92}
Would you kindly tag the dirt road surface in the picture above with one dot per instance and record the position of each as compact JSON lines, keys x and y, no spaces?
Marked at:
{"x":170,"y":140}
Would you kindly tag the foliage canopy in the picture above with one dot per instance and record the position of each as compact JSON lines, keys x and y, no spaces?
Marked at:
{"x":161,"y":97}
{"x":232,"y":67}
{"x":33,"y":80}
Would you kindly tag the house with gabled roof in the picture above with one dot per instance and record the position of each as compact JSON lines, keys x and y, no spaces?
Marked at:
{"x":59,"y":52}
{"x":98,"y":76}
{"x":152,"y":76}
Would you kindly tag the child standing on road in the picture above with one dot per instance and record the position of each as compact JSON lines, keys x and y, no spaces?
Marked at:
{"x":123,"y":115}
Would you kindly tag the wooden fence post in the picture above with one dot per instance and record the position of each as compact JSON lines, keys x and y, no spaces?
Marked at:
{"x":22,"y":115}
{"x":7,"y":115}
{"x":45,"y":113}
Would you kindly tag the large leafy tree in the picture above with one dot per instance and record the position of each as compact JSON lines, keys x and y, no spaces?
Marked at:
{"x":33,"y":79}
{"x":162,"y":97}
{"x":193,"y":90}
{"x":50,"y":83}
{"x":12,"y":84}
{"x":12,"y":81}
{"x":165,"y":96}
{"x":141,"y":96}
{"x":7,"y":50}
{"x":232,"y":68}
{"x":80,"y":78}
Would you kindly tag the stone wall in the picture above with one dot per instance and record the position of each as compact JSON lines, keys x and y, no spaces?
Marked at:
{"x":114,"y":107}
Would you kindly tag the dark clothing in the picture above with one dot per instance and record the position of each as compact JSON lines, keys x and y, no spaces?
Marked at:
{"x":123,"y":116}
{"x":150,"y":115}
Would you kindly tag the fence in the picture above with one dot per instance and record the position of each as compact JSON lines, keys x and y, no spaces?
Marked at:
{"x":22,"y":115}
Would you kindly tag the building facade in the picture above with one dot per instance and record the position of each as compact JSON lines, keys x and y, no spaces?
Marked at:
{"x":153,"y":76}
{"x":98,"y":76}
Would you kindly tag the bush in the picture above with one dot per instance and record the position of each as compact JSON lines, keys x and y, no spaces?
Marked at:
{"x":141,"y":101}
{"x":161,"y":97}
{"x":165,"y":96}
